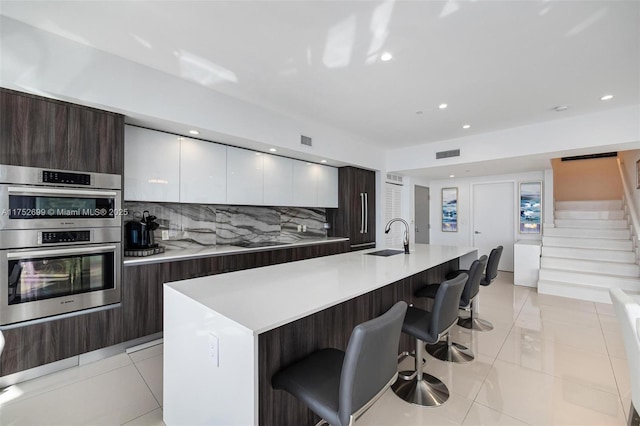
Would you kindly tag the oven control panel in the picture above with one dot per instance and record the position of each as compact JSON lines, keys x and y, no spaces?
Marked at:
{"x":53,"y":176}
{"x":55,"y":237}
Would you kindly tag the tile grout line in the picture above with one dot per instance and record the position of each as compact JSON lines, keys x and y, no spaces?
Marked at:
{"x":145,"y":382}
{"x":615,"y":378}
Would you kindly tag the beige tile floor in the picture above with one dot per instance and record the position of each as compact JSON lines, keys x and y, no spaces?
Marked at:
{"x":549,"y":361}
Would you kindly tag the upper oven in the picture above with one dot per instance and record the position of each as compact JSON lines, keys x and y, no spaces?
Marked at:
{"x":33,"y":198}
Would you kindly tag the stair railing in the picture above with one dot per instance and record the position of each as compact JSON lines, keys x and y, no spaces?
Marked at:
{"x":635,"y":223}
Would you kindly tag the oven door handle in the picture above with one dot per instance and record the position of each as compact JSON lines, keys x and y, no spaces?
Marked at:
{"x":19,"y":190}
{"x":62,"y":251}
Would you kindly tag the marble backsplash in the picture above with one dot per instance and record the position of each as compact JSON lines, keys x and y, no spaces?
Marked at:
{"x":201,"y":225}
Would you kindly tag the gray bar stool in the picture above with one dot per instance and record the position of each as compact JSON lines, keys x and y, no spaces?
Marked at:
{"x":473,"y":322}
{"x":417,"y":387}
{"x":339,"y":386}
{"x":449,"y":350}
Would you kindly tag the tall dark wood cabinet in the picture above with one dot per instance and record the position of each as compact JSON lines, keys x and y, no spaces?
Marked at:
{"x":355,"y":216}
{"x":41,"y":132}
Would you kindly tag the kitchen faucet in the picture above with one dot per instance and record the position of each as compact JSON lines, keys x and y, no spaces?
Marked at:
{"x":406,"y":232}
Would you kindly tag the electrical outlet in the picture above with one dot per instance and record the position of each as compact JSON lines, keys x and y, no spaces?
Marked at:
{"x":214,"y":349}
{"x":304,"y":228}
{"x":165,"y":234}
{"x":299,"y":228}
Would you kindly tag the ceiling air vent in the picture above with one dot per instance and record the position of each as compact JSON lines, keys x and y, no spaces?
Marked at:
{"x":448,"y":154}
{"x":590,"y":156}
{"x":305,"y":140}
{"x":394,"y":179}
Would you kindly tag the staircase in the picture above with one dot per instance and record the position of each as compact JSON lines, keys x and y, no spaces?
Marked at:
{"x":589,"y":251}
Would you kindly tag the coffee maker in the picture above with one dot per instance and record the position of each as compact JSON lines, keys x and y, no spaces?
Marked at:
{"x":139,"y":235}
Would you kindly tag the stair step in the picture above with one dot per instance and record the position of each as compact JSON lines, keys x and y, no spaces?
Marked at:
{"x":596,"y":214}
{"x":623,"y":256}
{"x":594,"y":266}
{"x":589,"y":205}
{"x":610,"y":234}
{"x":592,"y":223}
{"x":588,"y":243}
{"x":574,"y":291}
{"x":590,"y":279}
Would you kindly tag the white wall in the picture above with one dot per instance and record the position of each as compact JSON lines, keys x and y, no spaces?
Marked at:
{"x":464,"y":236}
{"x":39,"y":62}
{"x":612,"y":130}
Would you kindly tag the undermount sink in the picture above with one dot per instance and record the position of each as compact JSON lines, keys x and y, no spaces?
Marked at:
{"x":386,"y":252}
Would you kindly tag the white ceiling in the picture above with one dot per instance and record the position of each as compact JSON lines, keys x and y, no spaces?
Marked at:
{"x":497,"y":64}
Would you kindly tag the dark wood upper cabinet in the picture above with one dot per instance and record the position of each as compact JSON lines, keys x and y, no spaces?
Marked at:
{"x":355,"y":216}
{"x":96,"y":141}
{"x":41,"y":132}
{"x":33,"y":131}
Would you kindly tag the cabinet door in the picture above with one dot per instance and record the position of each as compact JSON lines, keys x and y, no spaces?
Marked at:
{"x":33,"y":132}
{"x":95,"y":141}
{"x":152,"y":165}
{"x":203,"y":172}
{"x":278,"y":180}
{"x":327,"y":186}
{"x":244,"y":176}
{"x":368,"y":182}
{"x":304,"y":184}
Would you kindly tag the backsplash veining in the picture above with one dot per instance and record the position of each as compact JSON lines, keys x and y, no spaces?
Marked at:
{"x":201,"y":225}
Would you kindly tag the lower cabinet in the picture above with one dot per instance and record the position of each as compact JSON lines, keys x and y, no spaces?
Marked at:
{"x":140,"y":313}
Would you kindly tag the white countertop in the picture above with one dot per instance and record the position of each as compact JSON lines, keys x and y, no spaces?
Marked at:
{"x":172,"y":254}
{"x":262,"y":299}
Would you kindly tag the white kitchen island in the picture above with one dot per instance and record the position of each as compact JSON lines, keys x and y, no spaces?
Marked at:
{"x":225,"y":335}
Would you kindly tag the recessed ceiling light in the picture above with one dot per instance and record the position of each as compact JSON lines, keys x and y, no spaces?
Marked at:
{"x":258,"y":153}
{"x":561,"y":108}
{"x":323,"y":161}
{"x":272,"y":149}
{"x":386,"y":56}
{"x":452,"y":176}
{"x":194,"y":132}
{"x":466,"y":126}
{"x":442,"y":106}
{"x":606,"y":97}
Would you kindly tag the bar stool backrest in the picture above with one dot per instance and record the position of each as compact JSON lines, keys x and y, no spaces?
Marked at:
{"x":472,"y":286}
{"x":445,"y":305}
{"x":492,"y":265}
{"x":370,"y":361}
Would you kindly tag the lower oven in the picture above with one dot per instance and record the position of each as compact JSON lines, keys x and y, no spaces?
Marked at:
{"x":60,"y":271}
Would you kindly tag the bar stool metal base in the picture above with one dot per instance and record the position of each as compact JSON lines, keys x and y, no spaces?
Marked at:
{"x":450,"y":351}
{"x":473,"y":323}
{"x":427,"y":391}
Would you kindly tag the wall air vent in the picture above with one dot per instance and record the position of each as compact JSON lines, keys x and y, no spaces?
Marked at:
{"x":590,"y":156}
{"x":394,"y":179}
{"x":305,"y":140}
{"x":448,"y":154}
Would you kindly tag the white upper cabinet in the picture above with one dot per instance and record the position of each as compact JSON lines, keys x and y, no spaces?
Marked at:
{"x":278,"y":180}
{"x":304,"y":184}
{"x":244,"y":176}
{"x":314,"y":185}
{"x":327,"y":186}
{"x":203,"y":172}
{"x":151,"y":165}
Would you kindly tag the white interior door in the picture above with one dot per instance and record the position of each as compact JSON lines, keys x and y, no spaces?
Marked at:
{"x":493,"y":220}
{"x":422,"y":214}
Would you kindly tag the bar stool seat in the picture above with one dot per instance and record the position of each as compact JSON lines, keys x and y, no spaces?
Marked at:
{"x":339,"y":386}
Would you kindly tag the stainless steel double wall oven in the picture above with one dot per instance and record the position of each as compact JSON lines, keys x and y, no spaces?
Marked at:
{"x":60,"y":242}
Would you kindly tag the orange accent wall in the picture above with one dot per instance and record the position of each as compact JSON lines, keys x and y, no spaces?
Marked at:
{"x":593,"y":179}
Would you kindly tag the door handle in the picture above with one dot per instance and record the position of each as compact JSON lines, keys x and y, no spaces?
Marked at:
{"x":362,"y":215}
{"x":478,"y":232}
